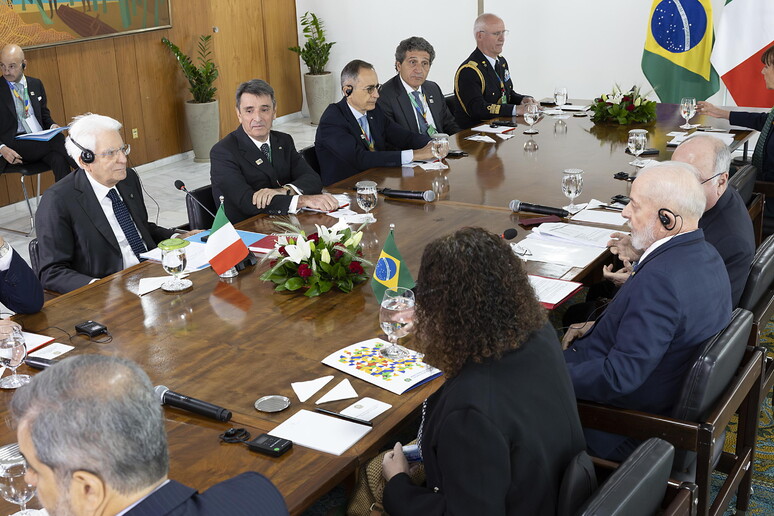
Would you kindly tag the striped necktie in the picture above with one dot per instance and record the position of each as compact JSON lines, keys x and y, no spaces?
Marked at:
{"x":127,"y":224}
{"x":760,"y":147}
{"x":420,"y":113}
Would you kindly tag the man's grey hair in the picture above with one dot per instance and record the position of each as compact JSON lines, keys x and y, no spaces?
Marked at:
{"x":351,"y":71}
{"x":482,"y":21}
{"x":722,"y":156}
{"x":414,"y":44}
{"x":85,"y":129}
{"x":676,"y":189}
{"x":257,"y":87}
{"x":98,"y":414}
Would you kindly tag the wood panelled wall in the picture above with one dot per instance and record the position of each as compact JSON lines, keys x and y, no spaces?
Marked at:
{"x":137,"y":81}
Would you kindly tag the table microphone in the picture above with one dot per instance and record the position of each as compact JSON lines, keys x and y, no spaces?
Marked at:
{"x":173,"y":399}
{"x":427,"y":195}
{"x":181,"y":186}
{"x":518,"y":206}
{"x":509,"y":234}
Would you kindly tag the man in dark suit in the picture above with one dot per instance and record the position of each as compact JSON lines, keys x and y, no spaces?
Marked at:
{"x":409,"y":98}
{"x":483,"y":84}
{"x":354,"y":134}
{"x":20,"y":289}
{"x":258,"y":170}
{"x":94,"y":222}
{"x":24,"y":98}
{"x":92,"y":431}
{"x":637,"y":353}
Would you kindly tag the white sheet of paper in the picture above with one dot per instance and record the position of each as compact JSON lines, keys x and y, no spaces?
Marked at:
{"x":433,"y":165}
{"x":505,"y":136}
{"x":342,"y":391}
{"x":485,"y":128}
{"x":555,"y":252}
{"x":52,"y":351}
{"x":607,"y":217}
{"x":366,"y":409}
{"x":305,"y":390}
{"x":550,"y":290}
{"x":575,"y":107}
{"x":480,"y":138}
{"x":34,"y":340}
{"x":350,"y":216}
{"x":320,"y":432}
{"x":150,"y":284}
{"x":575,"y":233}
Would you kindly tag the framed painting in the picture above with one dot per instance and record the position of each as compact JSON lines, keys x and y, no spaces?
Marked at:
{"x":43,"y":23}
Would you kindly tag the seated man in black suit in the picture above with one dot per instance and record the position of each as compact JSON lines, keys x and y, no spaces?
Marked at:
{"x":27,"y":112}
{"x":258,"y":170}
{"x":483,"y":84}
{"x":20,"y":289}
{"x":94,"y":222}
{"x":354,"y":134}
{"x":409,"y":99}
{"x":92,"y":431}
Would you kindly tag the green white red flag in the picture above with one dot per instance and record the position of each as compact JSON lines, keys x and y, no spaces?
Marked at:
{"x":224,"y":248}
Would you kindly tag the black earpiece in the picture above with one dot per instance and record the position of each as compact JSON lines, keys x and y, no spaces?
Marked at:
{"x":24,"y":65}
{"x":87,"y":156}
{"x":348,"y":91}
{"x":668,"y":224}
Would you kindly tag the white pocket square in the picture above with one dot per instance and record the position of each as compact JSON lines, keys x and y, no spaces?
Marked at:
{"x":40,"y":99}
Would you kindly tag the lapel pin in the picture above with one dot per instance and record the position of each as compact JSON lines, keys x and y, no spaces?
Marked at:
{"x":430,"y":100}
{"x":279,"y":148}
{"x":32,"y":93}
{"x":258,"y":161}
{"x":362,"y":137}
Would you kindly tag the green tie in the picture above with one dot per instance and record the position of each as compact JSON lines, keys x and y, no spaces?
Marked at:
{"x":760,"y":147}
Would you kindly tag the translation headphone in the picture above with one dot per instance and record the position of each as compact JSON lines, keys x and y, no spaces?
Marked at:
{"x":348,"y":91}
{"x":24,"y":65}
{"x":87,"y":156}
{"x":668,"y":224}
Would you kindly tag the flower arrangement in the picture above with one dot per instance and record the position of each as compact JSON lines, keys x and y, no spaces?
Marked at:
{"x":331,"y":257}
{"x":623,"y":107}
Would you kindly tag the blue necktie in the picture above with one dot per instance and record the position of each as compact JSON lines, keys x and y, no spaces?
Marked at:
{"x":420,"y":113}
{"x":127,"y":224}
{"x":363,"y":121}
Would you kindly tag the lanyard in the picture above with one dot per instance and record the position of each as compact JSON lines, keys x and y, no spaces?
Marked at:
{"x":503,"y":96}
{"x":365,"y":137}
{"x":25,"y":100}
{"x":419,"y":107}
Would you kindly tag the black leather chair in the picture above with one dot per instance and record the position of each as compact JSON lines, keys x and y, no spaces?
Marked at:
{"x":25,"y":170}
{"x":34,"y":256}
{"x":638,"y":486}
{"x":198,"y":218}
{"x":578,"y":484}
{"x":726,"y":378}
{"x":310,"y":155}
{"x":744,"y":183}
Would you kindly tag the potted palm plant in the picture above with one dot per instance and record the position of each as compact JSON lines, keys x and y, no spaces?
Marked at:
{"x":201,"y":113}
{"x":315,"y":54}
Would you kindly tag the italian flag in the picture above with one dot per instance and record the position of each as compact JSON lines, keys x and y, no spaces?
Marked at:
{"x":745,"y":31}
{"x":224,"y":248}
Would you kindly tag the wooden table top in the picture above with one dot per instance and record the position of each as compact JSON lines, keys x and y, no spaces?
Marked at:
{"x":231,"y":342}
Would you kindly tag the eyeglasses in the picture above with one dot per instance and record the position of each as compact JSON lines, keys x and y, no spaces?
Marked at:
{"x":112,"y":153}
{"x":372,"y":88}
{"x":498,"y":33}
{"x":711,"y":178}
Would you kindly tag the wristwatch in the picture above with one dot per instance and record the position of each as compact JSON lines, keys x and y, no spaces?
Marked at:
{"x":5,"y":248}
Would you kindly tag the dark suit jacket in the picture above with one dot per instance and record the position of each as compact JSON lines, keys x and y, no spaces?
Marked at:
{"x":236,"y":174}
{"x":756,"y":121}
{"x":248,"y":494}
{"x":343,"y":152}
{"x":477,"y":88}
{"x":727,"y":226}
{"x":496,"y":438}
{"x":637,"y":353}
{"x":20,"y":289}
{"x":8,"y":121}
{"x":75,"y":241}
{"x":396,"y":104}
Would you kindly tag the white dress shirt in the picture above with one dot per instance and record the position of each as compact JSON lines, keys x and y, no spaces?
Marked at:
{"x":406,"y":156}
{"x":293,"y":208}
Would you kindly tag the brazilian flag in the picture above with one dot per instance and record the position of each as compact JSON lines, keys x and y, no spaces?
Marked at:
{"x":678,"y":45}
{"x":389,"y":271}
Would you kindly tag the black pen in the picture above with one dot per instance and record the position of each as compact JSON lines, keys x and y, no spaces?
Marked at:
{"x":342,"y":416}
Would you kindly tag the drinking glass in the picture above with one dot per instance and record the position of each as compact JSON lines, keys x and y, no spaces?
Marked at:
{"x":531,"y":115}
{"x":396,"y":317}
{"x":687,"y":111}
{"x":638,"y":140}
{"x":572,"y":186}
{"x":13,"y":487}
{"x":560,"y":97}
{"x":366,"y":197}
{"x":173,"y":259}
{"x":440,"y":146}
{"x":13,"y":351}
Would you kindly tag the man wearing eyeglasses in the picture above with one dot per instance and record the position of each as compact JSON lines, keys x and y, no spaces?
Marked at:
{"x":94,"y":222}
{"x":482,"y":84}
{"x":409,"y":98}
{"x":26,"y":111}
{"x":354,"y":134}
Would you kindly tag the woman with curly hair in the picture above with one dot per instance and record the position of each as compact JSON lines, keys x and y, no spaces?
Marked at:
{"x":497,"y":437}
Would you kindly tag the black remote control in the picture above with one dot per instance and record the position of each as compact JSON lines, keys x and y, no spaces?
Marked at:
{"x":269,"y":445}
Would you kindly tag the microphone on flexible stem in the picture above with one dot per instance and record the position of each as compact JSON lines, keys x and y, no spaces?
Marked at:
{"x":181,"y":186}
{"x":509,"y":234}
{"x":173,"y":399}
{"x":518,"y":206}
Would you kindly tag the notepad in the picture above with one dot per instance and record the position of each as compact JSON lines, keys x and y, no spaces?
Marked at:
{"x":320,"y":432}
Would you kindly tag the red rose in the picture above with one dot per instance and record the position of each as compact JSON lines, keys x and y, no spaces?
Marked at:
{"x":356,"y":268}
{"x":272,"y":263}
{"x":304,"y":270}
{"x":627,"y":98}
{"x":314,"y":237}
{"x":630,"y":107}
{"x":338,"y":254}
{"x":281,"y":251}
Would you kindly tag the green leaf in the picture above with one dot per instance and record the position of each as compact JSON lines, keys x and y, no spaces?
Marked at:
{"x":312,"y":292}
{"x":294,"y":283}
{"x":325,"y":286}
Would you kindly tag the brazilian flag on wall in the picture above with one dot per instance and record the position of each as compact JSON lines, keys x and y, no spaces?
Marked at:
{"x":389,"y":271}
{"x":678,"y":45}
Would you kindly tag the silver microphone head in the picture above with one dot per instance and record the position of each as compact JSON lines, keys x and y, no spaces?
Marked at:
{"x":160,"y":391}
{"x":515,"y":205}
{"x":428,"y":195}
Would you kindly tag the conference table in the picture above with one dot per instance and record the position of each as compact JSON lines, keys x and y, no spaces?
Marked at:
{"x":233,"y":341}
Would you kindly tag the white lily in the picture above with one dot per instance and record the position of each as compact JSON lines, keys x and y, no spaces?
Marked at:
{"x":299,"y":252}
{"x":325,"y":256}
{"x":354,"y":240}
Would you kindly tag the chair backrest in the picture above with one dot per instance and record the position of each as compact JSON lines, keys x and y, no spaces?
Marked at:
{"x":34,"y":256}
{"x":310,"y":156}
{"x":198,"y":218}
{"x":761,"y":275}
{"x":744,"y":182}
{"x":451,"y":102}
{"x":709,"y":378}
{"x":637,"y":487}
{"x":578,"y":484}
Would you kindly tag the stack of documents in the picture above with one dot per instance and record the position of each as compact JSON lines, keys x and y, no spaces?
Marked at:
{"x":573,"y":245}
